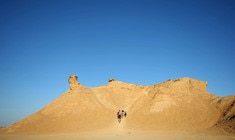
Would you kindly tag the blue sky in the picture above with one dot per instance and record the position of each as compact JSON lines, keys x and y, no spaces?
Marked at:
{"x":142,"y":42}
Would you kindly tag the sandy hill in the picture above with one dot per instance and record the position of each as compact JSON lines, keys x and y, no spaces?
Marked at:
{"x":182,"y":104}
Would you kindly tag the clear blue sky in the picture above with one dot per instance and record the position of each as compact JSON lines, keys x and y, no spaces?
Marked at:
{"x":143,"y":42}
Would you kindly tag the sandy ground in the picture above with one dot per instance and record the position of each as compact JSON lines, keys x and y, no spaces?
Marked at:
{"x":118,"y":132}
{"x":119,"y":135}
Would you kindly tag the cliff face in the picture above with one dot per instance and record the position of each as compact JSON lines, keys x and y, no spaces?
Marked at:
{"x":226,"y":121}
{"x":182,"y":104}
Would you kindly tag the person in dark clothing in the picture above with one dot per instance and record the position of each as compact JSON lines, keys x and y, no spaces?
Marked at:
{"x":119,"y":116}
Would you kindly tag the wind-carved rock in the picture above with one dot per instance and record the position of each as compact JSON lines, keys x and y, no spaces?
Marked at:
{"x":73,"y":82}
{"x":111,"y":79}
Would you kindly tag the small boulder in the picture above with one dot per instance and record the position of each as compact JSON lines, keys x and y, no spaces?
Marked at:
{"x":111,"y":79}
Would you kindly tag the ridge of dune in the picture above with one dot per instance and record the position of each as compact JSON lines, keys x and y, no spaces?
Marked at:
{"x":181,"y":104}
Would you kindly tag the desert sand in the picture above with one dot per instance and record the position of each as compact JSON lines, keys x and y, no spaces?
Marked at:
{"x":136,"y":135}
{"x":175,"y":109}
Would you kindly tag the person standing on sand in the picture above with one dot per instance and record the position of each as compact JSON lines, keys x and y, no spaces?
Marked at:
{"x":125,"y":114}
{"x":118,"y":113}
{"x":122,"y":113}
{"x":119,"y":116}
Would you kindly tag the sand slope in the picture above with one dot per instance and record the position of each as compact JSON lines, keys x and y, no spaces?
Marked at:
{"x":175,"y":105}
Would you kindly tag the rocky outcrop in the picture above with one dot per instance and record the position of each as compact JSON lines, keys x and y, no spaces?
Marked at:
{"x":111,"y":79}
{"x":73,"y":82}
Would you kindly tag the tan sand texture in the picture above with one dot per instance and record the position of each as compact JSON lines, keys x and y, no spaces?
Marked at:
{"x":181,"y":105}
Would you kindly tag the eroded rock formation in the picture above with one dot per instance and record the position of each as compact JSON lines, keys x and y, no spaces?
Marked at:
{"x":73,"y":82}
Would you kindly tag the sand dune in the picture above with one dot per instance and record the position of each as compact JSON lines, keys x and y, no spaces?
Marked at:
{"x":174,"y":109}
